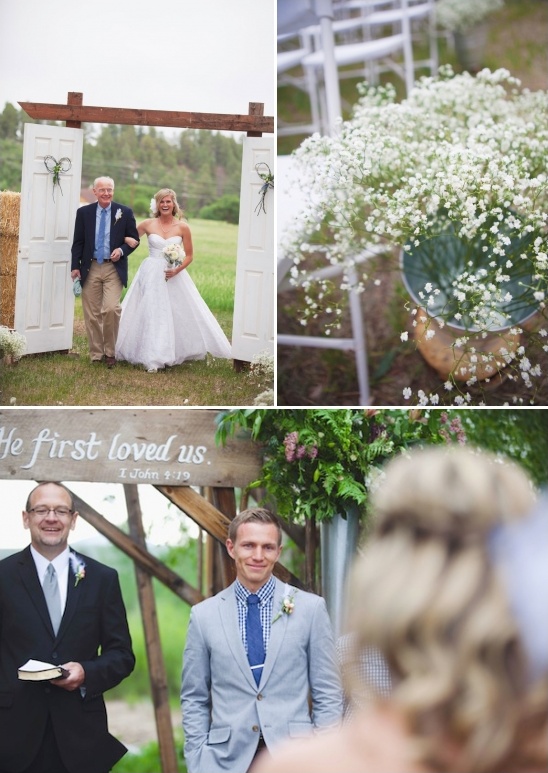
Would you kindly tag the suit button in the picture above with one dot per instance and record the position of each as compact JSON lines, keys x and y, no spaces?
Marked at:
{"x":255,"y":728}
{"x":54,"y":655}
{"x":260,"y":696}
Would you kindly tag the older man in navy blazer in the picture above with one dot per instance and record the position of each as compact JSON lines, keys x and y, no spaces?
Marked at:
{"x":59,"y":726}
{"x":99,"y":260}
{"x":235,"y":701}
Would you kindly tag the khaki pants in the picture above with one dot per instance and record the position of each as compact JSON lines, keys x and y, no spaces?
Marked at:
{"x":101,"y":305}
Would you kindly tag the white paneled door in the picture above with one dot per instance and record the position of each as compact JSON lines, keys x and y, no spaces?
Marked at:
{"x":44,"y":302}
{"x":253,"y":324}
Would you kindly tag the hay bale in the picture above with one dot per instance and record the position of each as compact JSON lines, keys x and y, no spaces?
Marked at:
{"x":10,"y":207}
{"x":9,"y":247}
{"x":7,"y":300}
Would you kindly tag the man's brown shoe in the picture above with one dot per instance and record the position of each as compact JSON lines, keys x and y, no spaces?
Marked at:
{"x":110,"y":361}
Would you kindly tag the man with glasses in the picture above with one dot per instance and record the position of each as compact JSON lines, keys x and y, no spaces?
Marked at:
{"x":99,"y":261}
{"x":59,"y":607}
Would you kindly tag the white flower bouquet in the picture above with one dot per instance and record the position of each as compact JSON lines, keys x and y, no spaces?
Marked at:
{"x":462,"y":15}
{"x":463,"y":159}
{"x":174,"y":255}
{"x":12,"y":343}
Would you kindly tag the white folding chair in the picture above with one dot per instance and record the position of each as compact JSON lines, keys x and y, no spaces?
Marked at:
{"x":378,"y":50}
{"x":289,"y":59}
{"x":290,"y":203}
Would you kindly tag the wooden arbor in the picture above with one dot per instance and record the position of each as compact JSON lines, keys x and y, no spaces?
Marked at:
{"x":44,"y":243}
{"x":175,"y":451}
{"x":74,"y":113}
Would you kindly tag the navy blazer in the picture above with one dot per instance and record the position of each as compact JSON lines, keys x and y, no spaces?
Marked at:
{"x":83,"y":244}
{"x":93,"y":632}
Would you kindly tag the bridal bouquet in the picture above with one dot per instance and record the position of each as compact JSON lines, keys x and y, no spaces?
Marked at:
{"x":174,"y":254}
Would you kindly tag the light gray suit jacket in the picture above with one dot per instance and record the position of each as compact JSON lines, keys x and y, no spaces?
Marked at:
{"x":224,"y":712}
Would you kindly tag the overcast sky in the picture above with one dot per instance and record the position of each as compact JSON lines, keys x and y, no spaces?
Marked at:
{"x":212,"y":56}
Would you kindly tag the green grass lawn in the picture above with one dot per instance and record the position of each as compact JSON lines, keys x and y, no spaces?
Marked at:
{"x":71,"y":380}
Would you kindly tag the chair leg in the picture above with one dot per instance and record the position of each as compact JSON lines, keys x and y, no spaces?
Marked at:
{"x":358,"y":335}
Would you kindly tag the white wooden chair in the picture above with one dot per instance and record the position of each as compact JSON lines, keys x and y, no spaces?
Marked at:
{"x":372,"y":53}
{"x":290,"y":203}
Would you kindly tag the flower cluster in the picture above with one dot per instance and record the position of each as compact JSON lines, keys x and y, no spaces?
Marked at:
{"x":321,"y":462}
{"x":288,"y":603}
{"x":461,"y":162}
{"x":174,"y":255}
{"x":295,"y":451}
{"x":262,"y":364}
{"x":12,"y":343}
{"x":78,"y":567}
{"x":460,"y":15}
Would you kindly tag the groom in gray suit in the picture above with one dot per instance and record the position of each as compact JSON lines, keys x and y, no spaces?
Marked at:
{"x":239,"y":695}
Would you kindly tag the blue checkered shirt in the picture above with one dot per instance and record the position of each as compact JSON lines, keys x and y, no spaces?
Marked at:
{"x":366,"y":670}
{"x":266,"y":600}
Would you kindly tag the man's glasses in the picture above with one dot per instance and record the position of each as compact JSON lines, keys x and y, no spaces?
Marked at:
{"x":105,"y":190}
{"x":60,"y":511}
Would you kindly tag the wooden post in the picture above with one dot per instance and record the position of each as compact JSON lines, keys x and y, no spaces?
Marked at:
{"x":310,"y":554}
{"x":75,"y":99}
{"x":157,"y":671}
{"x":224,"y":499}
{"x":255,"y":108}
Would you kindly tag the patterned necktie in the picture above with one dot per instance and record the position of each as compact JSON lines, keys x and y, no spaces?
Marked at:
{"x":254,"y":630}
{"x":101,"y":237}
{"x":53,"y":599}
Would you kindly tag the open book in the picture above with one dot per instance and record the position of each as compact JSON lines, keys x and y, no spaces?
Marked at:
{"x":37,"y":671}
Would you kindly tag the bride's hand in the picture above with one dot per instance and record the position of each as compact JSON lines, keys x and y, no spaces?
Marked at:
{"x":131,"y":242}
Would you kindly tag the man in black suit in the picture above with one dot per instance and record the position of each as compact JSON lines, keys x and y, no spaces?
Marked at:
{"x":59,"y":726}
{"x":99,"y":260}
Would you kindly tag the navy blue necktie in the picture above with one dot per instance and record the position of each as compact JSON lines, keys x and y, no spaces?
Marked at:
{"x":101,"y":237}
{"x":254,"y":630}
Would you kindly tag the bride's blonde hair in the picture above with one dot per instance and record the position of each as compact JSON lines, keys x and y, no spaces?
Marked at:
{"x":425,"y":593}
{"x":177,"y":211}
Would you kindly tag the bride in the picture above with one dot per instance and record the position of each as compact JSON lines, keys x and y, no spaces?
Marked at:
{"x":165,"y":320}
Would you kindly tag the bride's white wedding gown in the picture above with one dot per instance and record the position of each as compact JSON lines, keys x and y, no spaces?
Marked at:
{"x":165,"y":323}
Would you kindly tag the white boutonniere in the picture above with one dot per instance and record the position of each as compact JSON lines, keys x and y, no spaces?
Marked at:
{"x":288,"y":603}
{"x":78,"y":567}
{"x":118,"y":215}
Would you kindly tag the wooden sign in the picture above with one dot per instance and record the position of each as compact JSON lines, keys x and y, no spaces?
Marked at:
{"x":164,"y":447}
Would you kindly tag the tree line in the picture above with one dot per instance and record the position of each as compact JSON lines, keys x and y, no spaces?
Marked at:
{"x":202,"y":167}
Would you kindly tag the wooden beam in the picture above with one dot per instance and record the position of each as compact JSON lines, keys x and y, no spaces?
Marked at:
{"x":213,"y":521}
{"x":137,"y":553}
{"x":75,"y":99}
{"x":256,"y":109}
{"x":155,"y":657}
{"x":42,"y":111}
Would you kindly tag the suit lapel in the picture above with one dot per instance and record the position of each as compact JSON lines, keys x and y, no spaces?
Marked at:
{"x":277,"y":632}
{"x":29,"y":578}
{"x":73,"y":596}
{"x":228,"y":611}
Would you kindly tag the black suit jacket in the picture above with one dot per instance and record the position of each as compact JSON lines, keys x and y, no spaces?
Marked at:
{"x":84,"y":238}
{"x":93,"y":632}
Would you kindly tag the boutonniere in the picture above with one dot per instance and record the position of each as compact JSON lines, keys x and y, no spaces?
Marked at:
{"x":78,"y":567}
{"x":288,"y":603}
{"x":118,"y":215}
